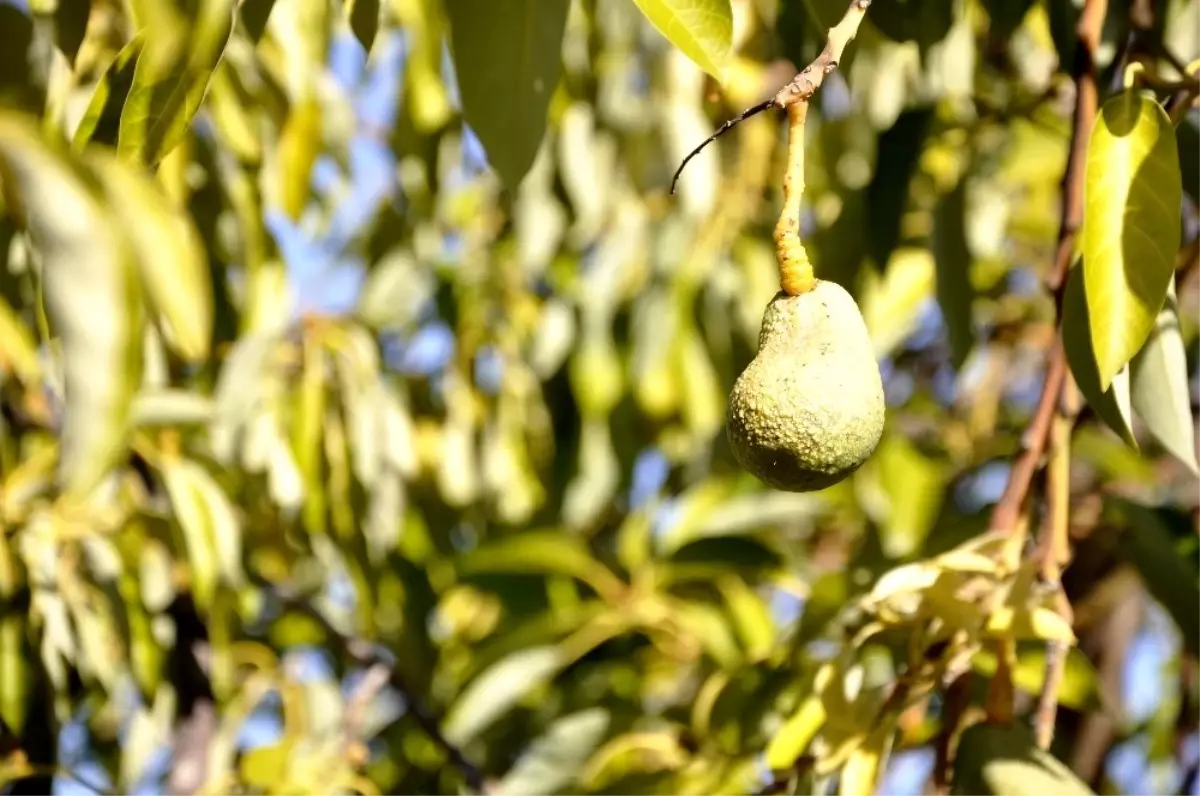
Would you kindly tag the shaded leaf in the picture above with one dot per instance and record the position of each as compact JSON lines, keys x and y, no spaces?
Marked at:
{"x":1113,"y":403}
{"x":952,"y":259}
{"x":506,"y":58}
{"x":1147,"y":543}
{"x":92,"y":299}
{"x":702,"y":29}
{"x":498,"y":690}
{"x":1004,"y":761}
{"x":364,"y":20}
{"x":1161,"y":395}
{"x":1130,"y":225}
{"x":899,"y":150}
{"x":539,"y":553}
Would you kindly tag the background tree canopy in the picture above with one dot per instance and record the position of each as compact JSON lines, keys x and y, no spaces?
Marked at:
{"x":362,"y":399}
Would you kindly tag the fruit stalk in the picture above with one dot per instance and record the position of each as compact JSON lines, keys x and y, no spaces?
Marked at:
{"x":795,"y":271}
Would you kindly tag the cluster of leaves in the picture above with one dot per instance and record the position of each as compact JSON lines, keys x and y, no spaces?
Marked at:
{"x":250,"y":549}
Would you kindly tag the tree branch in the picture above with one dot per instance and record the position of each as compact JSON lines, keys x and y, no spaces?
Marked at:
{"x":804,"y":85}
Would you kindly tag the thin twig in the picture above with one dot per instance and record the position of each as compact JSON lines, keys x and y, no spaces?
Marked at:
{"x":801,"y":87}
{"x":1087,"y":98}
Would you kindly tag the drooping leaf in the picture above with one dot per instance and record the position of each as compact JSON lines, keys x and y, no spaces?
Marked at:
{"x":167,"y":91}
{"x":211,"y":531}
{"x":795,"y":735}
{"x":498,"y":690}
{"x":18,"y":84}
{"x":702,"y":29}
{"x":924,"y":21}
{"x":1158,"y":378}
{"x":92,"y":298}
{"x":557,"y":757}
{"x":538,"y":553}
{"x":170,"y":257}
{"x":101,"y":121}
{"x":952,"y":259}
{"x":506,"y":57}
{"x":1112,"y":404}
{"x":1130,"y":227}
{"x":70,"y":20}
{"x":1004,"y":761}
{"x":899,"y":150}
{"x":299,"y":145}
{"x":364,"y":20}
{"x":1169,"y":576}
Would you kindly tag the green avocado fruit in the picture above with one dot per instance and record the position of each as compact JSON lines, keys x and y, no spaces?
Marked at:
{"x":808,"y":410}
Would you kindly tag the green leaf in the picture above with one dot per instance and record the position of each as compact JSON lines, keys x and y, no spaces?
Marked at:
{"x":211,"y":531}
{"x":507,"y":57}
{"x":92,"y":298}
{"x":1168,"y":574}
{"x":702,"y":29}
{"x":1112,"y":404}
{"x":18,"y":348}
{"x":18,"y":83}
{"x":498,"y":690}
{"x":539,"y":553}
{"x":555,"y":759}
{"x":924,"y":21}
{"x":952,"y":260}
{"x":1160,"y":390}
{"x":70,"y":25}
{"x":899,"y":151}
{"x":1004,"y":761}
{"x":101,"y":121}
{"x":795,"y":735}
{"x":15,"y":679}
{"x":171,"y":407}
{"x":1130,"y":227}
{"x":364,"y":20}
{"x":167,"y":92}
{"x":170,"y":255}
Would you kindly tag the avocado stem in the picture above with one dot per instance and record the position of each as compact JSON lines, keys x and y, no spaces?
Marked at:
{"x":795,"y":270}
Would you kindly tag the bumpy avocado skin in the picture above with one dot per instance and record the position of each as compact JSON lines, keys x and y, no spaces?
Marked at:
{"x":808,"y":410}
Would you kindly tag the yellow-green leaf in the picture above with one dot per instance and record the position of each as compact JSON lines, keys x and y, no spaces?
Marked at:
{"x":102,"y":119}
{"x":1131,"y":225}
{"x":795,"y":736}
{"x":498,"y":690}
{"x":167,"y":91}
{"x":211,"y":531}
{"x":702,"y":29}
{"x":1111,"y":403}
{"x":92,"y":298}
{"x":507,"y":57}
{"x":1159,"y":387}
{"x":169,"y":254}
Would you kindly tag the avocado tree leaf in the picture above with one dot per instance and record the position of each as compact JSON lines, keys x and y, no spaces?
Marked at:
{"x":101,"y":121}
{"x":1112,"y":404}
{"x":170,"y":257}
{"x":363,"y":16}
{"x":952,"y":261}
{"x":1159,"y":387}
{"x":1131,"y":227}
{"x":92,"y":298}
{"x":494,"y":692}
{"x":899,"y":151}
{"x":167,"y":91}
{"x":702,"y":29}
{"x":507,"y":58}
{"x":1147,"y":543}
{"x":555,"y":759}
{"x":546,"y":552}
{"x":212,"y":534}
{"x":1004,"y":761}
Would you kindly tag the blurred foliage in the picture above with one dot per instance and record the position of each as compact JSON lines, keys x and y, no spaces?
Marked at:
{"x":479,"y":525}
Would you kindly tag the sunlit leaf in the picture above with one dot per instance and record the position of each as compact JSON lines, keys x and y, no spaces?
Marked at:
{"x":170,"y":256}
{"x":92,"y":298}
{"x":211,"y":531}
{"x":1158,"y":379}
{"x":498,"y":690}
{"x":1113,"y":403}
{"x":539,"y":552}
{"x":507,"y":58}
{"x":703,"y":29}
{"x":555,"y":759}
{"x":795,"y":735}
{"x":166,"y":92}
{"x":1130,"y":225}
